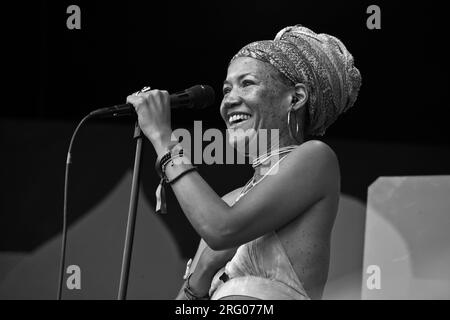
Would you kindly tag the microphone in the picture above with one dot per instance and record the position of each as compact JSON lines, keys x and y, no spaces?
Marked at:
{"x":196,"y":97}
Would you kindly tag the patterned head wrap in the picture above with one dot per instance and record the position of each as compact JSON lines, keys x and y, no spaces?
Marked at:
{"x":319,"y":61}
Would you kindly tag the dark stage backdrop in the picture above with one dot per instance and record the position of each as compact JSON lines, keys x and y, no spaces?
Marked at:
{"x":55,"y":76}
{"x":54,"y":72}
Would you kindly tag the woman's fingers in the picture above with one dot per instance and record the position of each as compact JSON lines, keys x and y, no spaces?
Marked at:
{"x":153,"y":110}
{"x":136,"y":101}
{"x":157,"y":99}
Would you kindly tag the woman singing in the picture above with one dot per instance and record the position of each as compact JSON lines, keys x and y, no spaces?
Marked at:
{"x":271,"y":238}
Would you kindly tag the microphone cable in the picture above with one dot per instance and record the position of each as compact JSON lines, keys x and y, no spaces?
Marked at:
{"x":64,"y":230}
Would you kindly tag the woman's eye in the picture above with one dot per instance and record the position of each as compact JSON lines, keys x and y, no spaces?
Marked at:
{"x":247,"y":83}
{"x":226,"y":90}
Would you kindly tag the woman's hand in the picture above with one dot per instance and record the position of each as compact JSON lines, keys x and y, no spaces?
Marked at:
{"x":209,"y":263}
{"x":153,"y":110}
{"x":205,"y":268}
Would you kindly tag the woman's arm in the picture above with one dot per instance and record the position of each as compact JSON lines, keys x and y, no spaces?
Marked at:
{"x":306,"y":176}
{"x":204,"y":266}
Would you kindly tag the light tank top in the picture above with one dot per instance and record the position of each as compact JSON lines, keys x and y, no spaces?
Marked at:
{"x":260,"y":269}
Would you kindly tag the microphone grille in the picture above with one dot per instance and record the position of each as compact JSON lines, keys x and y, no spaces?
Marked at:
{"x":202,"y":96}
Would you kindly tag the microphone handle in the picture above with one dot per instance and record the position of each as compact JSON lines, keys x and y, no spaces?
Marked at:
{"x":177,"y":100}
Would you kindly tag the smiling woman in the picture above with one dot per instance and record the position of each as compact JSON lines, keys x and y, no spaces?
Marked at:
{"x":260,"y":86}
{"x":269,"y":239}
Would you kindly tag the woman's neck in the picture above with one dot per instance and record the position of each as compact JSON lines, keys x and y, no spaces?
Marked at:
{"x":263,"y":163}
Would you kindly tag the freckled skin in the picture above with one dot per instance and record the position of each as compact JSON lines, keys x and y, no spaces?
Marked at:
{"x":306,"y":239}
{"x":269,"y":98}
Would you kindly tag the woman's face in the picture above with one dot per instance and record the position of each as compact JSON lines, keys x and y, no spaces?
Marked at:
{"x":254,"y":98}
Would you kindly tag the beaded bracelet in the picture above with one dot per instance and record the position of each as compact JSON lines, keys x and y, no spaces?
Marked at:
{"x":160,"y":167}
{"x":171,"y":160}
{"x":166,"y":158}
{"x":160,"y":193}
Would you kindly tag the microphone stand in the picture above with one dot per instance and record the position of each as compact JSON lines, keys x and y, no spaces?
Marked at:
{"x":132,"y":211}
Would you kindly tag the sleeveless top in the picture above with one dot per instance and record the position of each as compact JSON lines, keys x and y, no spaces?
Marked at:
{"x":260,"y":269}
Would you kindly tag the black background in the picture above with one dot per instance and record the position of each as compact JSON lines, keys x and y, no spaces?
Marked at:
{"x":57,"y":73}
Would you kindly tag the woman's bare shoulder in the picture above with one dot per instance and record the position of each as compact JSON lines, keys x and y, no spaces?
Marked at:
{"x":312,"y":167}
{"x":317,"y":148}
{"x":317,"y":155}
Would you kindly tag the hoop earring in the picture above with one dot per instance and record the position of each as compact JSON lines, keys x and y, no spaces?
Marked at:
{"x":290,"y":127}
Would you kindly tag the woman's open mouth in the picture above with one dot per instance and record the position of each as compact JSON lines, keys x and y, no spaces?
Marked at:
{"x":236,"y":119}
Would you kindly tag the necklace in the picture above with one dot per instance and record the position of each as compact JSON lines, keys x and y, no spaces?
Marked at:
{"x":266,"y":156}
{"x":259,"y":161}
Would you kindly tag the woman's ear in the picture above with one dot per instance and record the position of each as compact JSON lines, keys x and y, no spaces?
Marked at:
{"x":300,"y":96}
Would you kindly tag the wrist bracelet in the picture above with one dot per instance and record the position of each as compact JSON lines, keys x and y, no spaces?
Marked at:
{"x":182,"y":174}
{"x":190,"y":294}
{"x":171,"y":160}
{"x":160,"y":194}
{"x":160,"y":167}
{"x":161,"y":206}
{"x":161,"y":162}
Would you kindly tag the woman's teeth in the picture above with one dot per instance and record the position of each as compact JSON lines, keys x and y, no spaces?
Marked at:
{"x":238,"y":118}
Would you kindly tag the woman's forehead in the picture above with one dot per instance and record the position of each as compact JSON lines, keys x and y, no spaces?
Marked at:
{"x":246,"y":65}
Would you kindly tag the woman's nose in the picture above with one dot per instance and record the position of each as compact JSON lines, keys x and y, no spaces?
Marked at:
{"x":232,"y":99}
